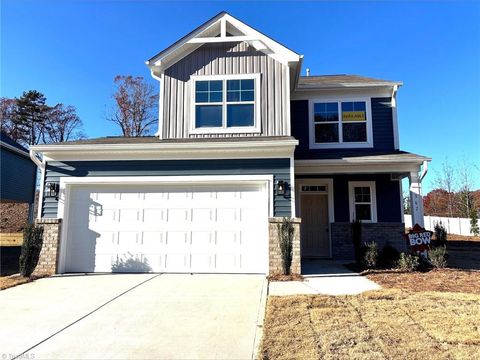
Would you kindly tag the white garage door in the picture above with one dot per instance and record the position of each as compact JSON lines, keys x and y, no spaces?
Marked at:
{"x":164,"y":229}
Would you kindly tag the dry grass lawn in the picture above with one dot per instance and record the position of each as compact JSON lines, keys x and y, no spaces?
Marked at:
{"x":451,"y":280}
{"x":434,"y":315}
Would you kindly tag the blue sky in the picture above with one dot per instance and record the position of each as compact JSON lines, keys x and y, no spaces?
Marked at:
{"x":71,"y":51}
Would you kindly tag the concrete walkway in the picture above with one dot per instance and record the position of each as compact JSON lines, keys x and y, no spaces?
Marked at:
{"x":133,"y":316}
{"x":324,"y":277}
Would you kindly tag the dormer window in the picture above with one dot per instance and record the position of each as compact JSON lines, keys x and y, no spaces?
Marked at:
{"x":226,"y":104}
{"x":340,"y":123}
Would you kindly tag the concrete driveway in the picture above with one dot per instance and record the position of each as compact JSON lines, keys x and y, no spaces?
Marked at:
{"x":130,"y":316}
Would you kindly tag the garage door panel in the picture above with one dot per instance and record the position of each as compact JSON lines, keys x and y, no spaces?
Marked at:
{"x":201,"y":215}
{"x":228,"y":262}
{"x":153,"y":242}
{"x":202,"y":262}
{"x":129,"y":215}
{"x":164,"y":229}
{"x":227,"y":215}
{"x":177,"y":215}
{"x":177,"y":262}
{"x":152,"y":216}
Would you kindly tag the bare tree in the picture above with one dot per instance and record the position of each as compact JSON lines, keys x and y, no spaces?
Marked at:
{"x":62,"y":124}
{"x":446,"y":181}
{"x":465,"y":198}
{"x":7,"y":111}
{"x":135,"y":105}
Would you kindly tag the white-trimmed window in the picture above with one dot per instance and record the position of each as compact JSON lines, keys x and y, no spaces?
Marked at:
{"x":340,"y":123}
{"x":363,"y":201}
{"x":225,"y":103}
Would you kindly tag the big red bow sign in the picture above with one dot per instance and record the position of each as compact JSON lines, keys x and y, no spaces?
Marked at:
{"x":418,"y":240}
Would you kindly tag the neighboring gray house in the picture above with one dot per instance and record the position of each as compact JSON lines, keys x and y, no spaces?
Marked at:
{"x":243,"y":141}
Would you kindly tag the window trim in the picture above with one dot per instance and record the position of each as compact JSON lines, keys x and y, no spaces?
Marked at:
{"x":373,"y":199}
{"x":224,"y":129}
{"x":339,"y":144}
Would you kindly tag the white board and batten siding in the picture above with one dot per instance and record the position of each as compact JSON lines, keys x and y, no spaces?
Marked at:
{"x":457,"y":226}
{"x":226,"y":59}
{"x":206,"y":229}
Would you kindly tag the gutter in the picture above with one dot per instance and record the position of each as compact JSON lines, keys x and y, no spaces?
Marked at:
{"x":163,"y":146}
{"x":14,"y":149}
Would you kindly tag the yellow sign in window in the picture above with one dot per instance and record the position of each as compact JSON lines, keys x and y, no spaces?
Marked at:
{"x":353,"y":116}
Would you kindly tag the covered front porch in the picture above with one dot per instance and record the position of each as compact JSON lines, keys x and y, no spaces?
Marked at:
{"x":331,"y":194}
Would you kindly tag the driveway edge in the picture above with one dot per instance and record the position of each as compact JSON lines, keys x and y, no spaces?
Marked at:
{"x":260,"y":318}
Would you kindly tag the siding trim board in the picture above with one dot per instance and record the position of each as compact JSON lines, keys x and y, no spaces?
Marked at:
{"x":278,"y":168}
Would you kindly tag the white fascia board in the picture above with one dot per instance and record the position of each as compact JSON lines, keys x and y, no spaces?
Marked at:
{"x":309,"y":94}
{"x":171,"y":151}
{"x":192,"y":42}
{"x":355,"y":167}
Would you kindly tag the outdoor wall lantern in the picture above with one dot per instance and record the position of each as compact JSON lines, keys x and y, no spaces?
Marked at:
{"x":280,"y":187}
{"x":51,"y":190}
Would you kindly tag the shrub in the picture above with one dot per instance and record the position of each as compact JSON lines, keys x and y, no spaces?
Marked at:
{"x":474,"y":230}
{"x":408,"y":262}
{"x":388,"y":257}
{"x":438,"y":257}
{"x":370,"y":255}
{"x":440,"y":233}
{"x":357,"y":240}
{"x":285,"y":233}
{"x":30,"y":253}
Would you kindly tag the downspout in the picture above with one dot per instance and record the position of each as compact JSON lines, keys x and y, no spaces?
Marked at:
{"x":424,"y":171}
{"x":41,"y":165}
{"x":396,"y":141}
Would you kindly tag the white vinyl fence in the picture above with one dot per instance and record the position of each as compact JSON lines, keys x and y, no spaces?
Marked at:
{"x":458,"y":226}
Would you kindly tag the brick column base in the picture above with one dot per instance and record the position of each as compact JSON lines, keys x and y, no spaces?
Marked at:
{"x":47,"y":263}
{"x":275,"y":254}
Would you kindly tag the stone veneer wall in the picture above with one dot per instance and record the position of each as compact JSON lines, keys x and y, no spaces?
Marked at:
{"x":275,"y":254}
{"x":47,"y":263}
{"x":382,"y":233}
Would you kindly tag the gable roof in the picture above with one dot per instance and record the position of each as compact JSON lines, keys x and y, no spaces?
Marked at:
{"x":223,"y":27}
{"x":341,"y":81}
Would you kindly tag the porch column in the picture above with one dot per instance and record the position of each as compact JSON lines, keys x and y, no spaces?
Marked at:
{"x":416,"y":201}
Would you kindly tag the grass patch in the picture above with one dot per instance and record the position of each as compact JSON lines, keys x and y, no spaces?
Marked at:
{"x":418,"y":315}
{"x":444,"y":280}
{"x":384,"y":324}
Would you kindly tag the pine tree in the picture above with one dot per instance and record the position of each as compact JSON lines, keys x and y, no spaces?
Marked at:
{"x":30,"y":115}
{"x":474,"y":222}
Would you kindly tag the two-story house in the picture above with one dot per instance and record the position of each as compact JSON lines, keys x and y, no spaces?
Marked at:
{"x":243,"y":141}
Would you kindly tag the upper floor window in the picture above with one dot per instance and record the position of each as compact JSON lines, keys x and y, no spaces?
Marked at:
{"x":340,"y":123}
{"x":226,"y":104}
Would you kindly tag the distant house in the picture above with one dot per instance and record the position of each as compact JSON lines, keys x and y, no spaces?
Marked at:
{"x":18,"y":173}
{"x":243,"y":141}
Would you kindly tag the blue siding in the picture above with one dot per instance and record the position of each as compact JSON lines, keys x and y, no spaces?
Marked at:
{"x":279,"y":168}
{"x":17,"y":177}
{"x":382,"y":123}
{"x":387,"y":191}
